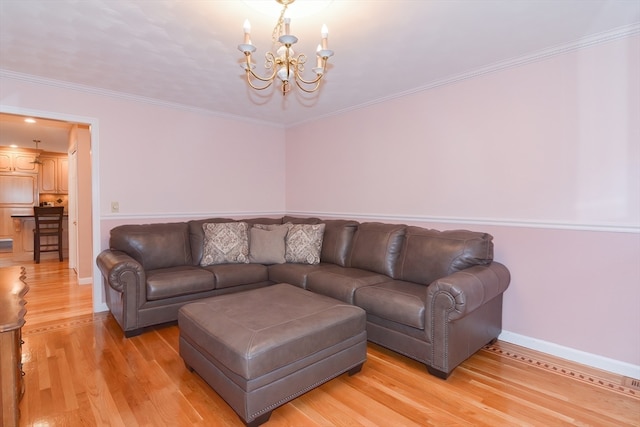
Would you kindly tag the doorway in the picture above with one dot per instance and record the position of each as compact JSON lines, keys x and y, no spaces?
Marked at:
{"x":93,"y":235}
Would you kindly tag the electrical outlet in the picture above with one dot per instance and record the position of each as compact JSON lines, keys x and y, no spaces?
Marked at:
{"x":115,"y":207}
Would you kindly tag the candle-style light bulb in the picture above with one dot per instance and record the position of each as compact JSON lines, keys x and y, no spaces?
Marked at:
{"x":247,"y":31}
{"x":325,"y":34}
{"x":318,"y":58}
{"x":287,"y":26}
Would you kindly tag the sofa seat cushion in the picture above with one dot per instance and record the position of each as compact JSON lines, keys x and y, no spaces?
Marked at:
{"x":295,"y":274}
{"x":175,"y":281}
{"x":228,"y":275}
{"x":396,"y":300}
{"x":341,"y":282}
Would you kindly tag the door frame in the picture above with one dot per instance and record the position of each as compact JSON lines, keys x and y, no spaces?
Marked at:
{"x":73,"y":210}
{"x":93,"y":123}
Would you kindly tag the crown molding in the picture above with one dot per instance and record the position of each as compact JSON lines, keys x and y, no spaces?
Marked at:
{"x":585,"y":42}
{"x":595,"y":39}
{"x":60,"y":84}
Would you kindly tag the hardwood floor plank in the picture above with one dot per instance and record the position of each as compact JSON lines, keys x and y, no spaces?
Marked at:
{"x":564,"y":394}
{"x":81,"y":371}
{"x":439,"y":400}
{"x":412,"y":402}
{"x":63,"y":367}
{"x":340,"y":406}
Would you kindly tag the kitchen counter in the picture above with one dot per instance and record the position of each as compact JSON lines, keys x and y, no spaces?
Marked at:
{"x":31,"y":216}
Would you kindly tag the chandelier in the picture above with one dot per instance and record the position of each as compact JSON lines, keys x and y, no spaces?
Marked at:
{"x":284,"y":64}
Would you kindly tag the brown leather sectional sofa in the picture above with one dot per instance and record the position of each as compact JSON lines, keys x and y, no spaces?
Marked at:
{"x":434,"y":296}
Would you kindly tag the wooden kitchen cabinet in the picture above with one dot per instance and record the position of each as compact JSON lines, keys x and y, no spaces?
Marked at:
{"x":18,"y":189}
{"x":18,"y":160}
{"x":54,"y":174}
{"x":18,"y":195}
{"x":6,"y":222}
{"x":63,"y":175}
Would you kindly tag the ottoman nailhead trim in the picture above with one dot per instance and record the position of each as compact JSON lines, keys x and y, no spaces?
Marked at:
{"x":299,"y":393}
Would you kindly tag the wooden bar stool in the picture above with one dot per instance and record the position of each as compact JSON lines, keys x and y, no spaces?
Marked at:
{"x":47,"y":236}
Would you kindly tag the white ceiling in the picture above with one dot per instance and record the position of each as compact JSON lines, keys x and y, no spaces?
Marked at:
{"x":52,"y":134}
{"x":185,"y":52}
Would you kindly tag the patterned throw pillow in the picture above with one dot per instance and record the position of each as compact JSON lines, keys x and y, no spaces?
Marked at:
{"x":303,"y":243}
{"x":225,"y":243}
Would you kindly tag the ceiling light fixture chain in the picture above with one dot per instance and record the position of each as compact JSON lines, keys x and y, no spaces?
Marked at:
{"x":279,"y":28}
{"x":284,"y":64}
{"x":36,"y":158}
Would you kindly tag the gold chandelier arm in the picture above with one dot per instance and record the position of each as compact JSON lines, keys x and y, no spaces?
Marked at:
{"x":310,"y":86}
{"x":270,"y":62}
{"x":299,"y":68}
{"x":308,"y":82}
{"x":262,"y":79}
{"x":251,"y":73}
{"x":315,"y":88}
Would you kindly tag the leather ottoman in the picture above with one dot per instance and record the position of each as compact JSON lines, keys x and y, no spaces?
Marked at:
{"x":262,"y":348}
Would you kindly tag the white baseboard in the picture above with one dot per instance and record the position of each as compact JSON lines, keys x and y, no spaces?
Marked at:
{"x":578,"y":356}
{"x":99,"y":307}
{"x":85,"y":280}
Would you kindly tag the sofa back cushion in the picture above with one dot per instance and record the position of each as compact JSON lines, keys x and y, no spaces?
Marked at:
{"x":154,"y":245}
{"x":196,"y":236}
{"x":428,"y":255}
{"x":376,"y":247}
{"x":252,"y":221}
{"x":300,"y":220}
{"x":338,"y":237}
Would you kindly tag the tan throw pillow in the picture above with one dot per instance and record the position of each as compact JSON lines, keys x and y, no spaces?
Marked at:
{"x":225,"y":243}
{"x":266,"y":245}
{"x":304,"y":243}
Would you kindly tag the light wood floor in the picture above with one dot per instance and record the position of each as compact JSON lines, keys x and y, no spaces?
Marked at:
{"x":81,"y":371}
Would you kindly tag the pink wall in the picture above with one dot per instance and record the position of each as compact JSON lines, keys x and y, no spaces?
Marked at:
{"x":545,"y":156}
{"x":162,"y":163}
{"x":158,"y":160}
{"x":554,"y":141}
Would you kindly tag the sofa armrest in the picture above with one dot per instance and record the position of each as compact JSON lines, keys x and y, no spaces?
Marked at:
{"x":464,"y":291}
{"x":120,"y":270}
{"x":464,"y":312}
{"x":124,"y":288}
